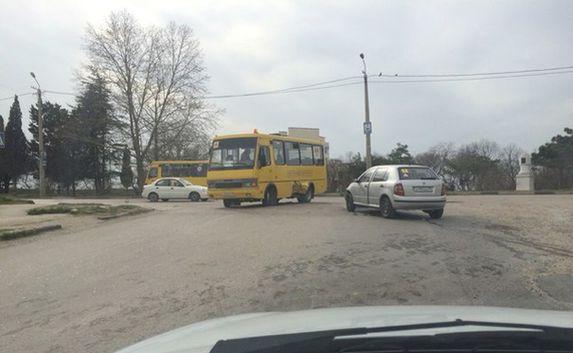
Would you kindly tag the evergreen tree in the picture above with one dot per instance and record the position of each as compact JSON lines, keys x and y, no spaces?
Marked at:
{"x":400,"y":155}
{"x":126,"y":175}
{"x":4,"y":176}
{"x":17,"y":152}
{"x":62,"y":145}
{"x":95,"y":113}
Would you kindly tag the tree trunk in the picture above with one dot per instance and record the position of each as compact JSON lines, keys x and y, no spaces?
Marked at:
{"x":140,"y":174}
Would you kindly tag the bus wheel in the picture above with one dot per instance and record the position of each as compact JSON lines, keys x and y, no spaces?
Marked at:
{"x":270,"y":197}
{"x":230,"y":203}
{"x":308,"y":195}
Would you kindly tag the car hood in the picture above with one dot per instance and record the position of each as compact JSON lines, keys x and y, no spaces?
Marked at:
{"x":202,"y":336}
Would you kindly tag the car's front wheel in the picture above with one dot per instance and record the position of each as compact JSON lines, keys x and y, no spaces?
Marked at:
{"x":350,"y":206}
{"x":194,"y":196}
{"x":386,"y":209}
{"x":436,"y":214}
{"x":153,"y":197}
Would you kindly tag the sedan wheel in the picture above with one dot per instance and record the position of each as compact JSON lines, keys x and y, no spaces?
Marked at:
{"x":386,"y":209}
{"x":153,"y":197}
{"x":194,"y":196}
{"x":350,"y":206}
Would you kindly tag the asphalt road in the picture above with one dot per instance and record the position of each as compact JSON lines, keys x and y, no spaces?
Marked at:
{"x":100,"y":286}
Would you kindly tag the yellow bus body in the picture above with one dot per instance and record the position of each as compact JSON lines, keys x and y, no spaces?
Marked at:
{"x":194,"y":171}
{"x":288,"y":180}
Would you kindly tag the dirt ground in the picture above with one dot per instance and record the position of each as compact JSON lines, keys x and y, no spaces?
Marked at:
{"x":98,"y":286}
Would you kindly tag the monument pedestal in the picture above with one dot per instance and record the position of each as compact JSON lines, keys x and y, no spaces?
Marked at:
{"x":524,"y":179}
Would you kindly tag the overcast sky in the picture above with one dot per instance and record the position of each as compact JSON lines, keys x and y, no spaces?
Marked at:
{"x":264,"y":45}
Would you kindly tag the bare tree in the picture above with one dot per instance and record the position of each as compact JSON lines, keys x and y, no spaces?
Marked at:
{"x":509,"y":163}
{"x":437,"y":157}
{"x":157,"y":77}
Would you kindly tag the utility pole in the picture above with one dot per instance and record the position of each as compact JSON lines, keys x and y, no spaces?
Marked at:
{"x":42,"y":155}
{"x":367,"y":123}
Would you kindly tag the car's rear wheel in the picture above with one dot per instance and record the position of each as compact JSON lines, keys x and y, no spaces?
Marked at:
{"x":307,"y":196}
{"x":270,"y":198}
{"x":153,"y":197}
{"x":230,"y":203}
{"x":436,"y":214}
{"x":350,"y":206}
{"x":194,"y":196}
{"x":386,"y":209}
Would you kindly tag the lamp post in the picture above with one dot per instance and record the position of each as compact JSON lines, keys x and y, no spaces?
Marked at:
{"x":42,"y":155}
{"x":367,"y":123}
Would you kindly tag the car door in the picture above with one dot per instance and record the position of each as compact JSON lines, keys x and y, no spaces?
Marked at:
{"x":361,"y":193}
{"x":178,"y":190}
{"x":378,"y":185}
{"x":162,"y":188}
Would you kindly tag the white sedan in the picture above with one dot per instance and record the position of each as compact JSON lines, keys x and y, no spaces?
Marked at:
{"x":174,"y":188}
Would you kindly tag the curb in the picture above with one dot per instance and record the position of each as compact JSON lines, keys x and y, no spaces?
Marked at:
{"x":114,"y":216}
{"x":25,"y":232}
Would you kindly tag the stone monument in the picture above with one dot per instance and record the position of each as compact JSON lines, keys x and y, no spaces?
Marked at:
{"x":524,"y":179}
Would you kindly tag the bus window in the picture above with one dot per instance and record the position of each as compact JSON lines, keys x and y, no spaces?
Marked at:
{"x":292,"y":153}
{"x":152,"y":172}
{"x":306,"y":154}
{"x":278,"y":149}
{"x":264,"y":156}
{"x":318,"y":155}
{"x":165,"y":170}
{"x":199,"y":170}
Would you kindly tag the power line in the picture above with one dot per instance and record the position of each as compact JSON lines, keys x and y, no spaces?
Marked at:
{"x":19,"y":95}
{"x":423,"y":78}
{"x":476,"y":74}
{"x":501,"y":77}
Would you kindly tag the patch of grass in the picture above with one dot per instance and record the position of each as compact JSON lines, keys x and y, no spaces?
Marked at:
{"x":87,"y":209}
{"x":4,"y":200}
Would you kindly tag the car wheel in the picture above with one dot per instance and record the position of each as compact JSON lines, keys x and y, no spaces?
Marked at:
{"x":194,"y":196}
{"x":270,"y":198}
{"x":308,"y":195}
{"x":350,"y":206}
{"x":153,"y":197}
{"x":230,"y":203}
{"x":435,"y":214}
{"x":386,"y":209}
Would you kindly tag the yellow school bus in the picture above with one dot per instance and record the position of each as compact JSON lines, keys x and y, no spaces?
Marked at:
{"x":194,"y":171}
{"x":265,"y":167}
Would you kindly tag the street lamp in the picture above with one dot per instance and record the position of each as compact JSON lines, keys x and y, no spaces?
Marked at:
{"x":367,"y":123}
{"x":42,"y":159}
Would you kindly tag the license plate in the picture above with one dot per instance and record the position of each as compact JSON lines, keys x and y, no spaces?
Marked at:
{"x":423,"y":188}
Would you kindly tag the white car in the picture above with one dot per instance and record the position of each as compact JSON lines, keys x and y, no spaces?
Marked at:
{"x":174,"y":188}
{"x":398,"y":187}
{"x":373,"y":329}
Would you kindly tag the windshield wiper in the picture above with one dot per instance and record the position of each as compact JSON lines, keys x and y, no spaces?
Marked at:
{"x":551,"y":337}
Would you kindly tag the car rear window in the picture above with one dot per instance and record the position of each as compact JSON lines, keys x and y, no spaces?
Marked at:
{"x":416,"y":173}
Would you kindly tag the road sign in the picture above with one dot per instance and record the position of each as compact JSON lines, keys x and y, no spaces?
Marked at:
{"x":2,"y":144}
{"x":367,"y":128}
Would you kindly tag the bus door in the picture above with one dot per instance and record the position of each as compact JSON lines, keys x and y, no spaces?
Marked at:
{"x":264,"y":165}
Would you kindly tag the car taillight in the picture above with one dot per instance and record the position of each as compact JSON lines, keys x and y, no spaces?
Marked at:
{"x":444,"y":189}
{"x":398,"y":189}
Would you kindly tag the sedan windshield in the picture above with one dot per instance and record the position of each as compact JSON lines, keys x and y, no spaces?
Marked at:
{"x":236,"y":153}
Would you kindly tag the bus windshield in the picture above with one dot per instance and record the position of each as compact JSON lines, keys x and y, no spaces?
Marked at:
{"x":235,"y":153}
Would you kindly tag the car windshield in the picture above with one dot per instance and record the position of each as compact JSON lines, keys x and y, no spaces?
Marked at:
{"x":233,"y":153}
{"x":413,"y":173}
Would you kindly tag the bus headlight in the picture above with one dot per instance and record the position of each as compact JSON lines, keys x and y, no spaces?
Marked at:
{"x":250,"y":183}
